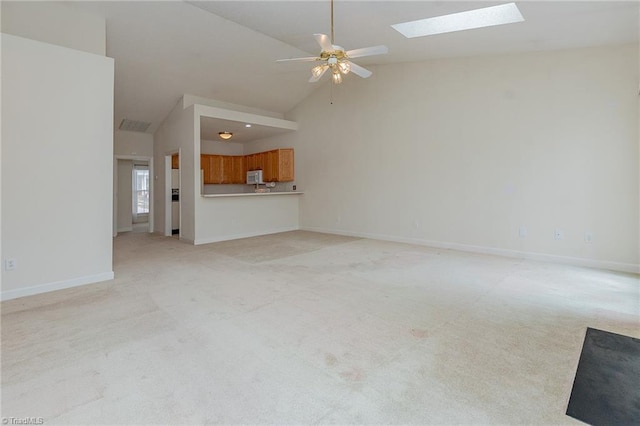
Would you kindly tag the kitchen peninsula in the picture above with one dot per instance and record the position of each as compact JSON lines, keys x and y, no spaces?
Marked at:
{"x":237,"y":214}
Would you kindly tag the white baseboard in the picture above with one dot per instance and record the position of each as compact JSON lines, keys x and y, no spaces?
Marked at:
{"x":244,"y":235}
{"x":542,"y":257}
{"x":58,"y":285}
{"x":127,"y":229}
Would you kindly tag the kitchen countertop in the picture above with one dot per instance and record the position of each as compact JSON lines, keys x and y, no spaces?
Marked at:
{"x":250,"y":194}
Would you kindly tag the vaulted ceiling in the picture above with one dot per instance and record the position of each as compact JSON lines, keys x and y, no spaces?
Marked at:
{"x":226,"y":50}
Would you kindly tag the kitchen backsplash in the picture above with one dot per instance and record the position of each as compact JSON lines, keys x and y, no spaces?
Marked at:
{"x":234,"y":189}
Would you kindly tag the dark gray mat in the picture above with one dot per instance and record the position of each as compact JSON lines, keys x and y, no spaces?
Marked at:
{"x":606,"y":390}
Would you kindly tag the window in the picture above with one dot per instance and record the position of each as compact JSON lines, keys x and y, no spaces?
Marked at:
{"x":140,"y":190}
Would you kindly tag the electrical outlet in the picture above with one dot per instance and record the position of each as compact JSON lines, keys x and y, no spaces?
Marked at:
{"x":558,"y":234}
{"x":522,"y":232}
{"x":588,"y":237}
{"x":10,"y":264}
{"x":294,"y":187}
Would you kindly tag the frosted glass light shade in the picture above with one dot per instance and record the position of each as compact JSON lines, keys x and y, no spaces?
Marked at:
{"x":345,"y":67}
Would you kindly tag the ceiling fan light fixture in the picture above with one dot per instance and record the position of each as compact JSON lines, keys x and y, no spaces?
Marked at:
{"x":336,"y":76}
{"x":225,"y":135}
{"x":334,"y":57}
{"x":317,"y":70}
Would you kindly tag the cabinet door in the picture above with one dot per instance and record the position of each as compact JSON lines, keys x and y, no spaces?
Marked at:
{"x":260,"y":162}
{"x":227,"y":169}
{"x":251,"y":162}
{"x":175,"y":161}
{"x":239,"y":170}
{"x":217,"y":168}
{"x":286,"y":171}
{"x":270,"y":166}
{"x":206,"y":168}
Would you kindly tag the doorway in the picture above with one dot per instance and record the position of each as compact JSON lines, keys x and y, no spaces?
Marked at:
{"x":172,"y":188}
{"x":140,"y":190}
{"x":132,"y":195}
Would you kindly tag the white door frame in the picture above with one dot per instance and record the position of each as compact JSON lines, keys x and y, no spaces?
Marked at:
{"x":149,"y":160}
{"x":168,"y":229}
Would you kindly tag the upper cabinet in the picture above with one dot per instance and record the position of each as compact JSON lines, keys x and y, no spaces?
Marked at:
{"x":211,"y":166}
{"x":253,"y":162}
{"x":276,"y":165}
{"x":175,"y":161}
{"x":223,"y":169}
{"x":233,"y":169}
{"x":239,"y":170}
{"x":286,"y":170}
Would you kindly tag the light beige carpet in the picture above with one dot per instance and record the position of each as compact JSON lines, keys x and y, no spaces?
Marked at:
{"x":301,"y":328}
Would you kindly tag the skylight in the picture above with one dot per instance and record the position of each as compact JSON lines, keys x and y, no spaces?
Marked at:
{"x":478,"y":18}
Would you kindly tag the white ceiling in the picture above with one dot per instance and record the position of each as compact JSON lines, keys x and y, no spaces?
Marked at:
{"x":211,"y":126}
{"x":226,"y":50}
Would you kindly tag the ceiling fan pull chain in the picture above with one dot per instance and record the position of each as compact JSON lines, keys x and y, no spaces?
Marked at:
{"x":331,"y":94}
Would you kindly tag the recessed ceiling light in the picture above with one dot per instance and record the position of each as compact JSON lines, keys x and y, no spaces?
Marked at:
{"x":478,"y":18}
{"x":247,"y":125}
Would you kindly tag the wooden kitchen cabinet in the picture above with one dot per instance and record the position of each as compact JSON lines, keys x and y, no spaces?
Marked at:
{"x":276,"y":165}
{"x":204,"y":166}
{"x":253,"y":162}
{"x":227,"y":169}
{"x":175,"y":161}
{"x":268,"y":160}
{"x":233,"y":169}
{"x":286,"y":170}
{"x":212,"y":165}
{"x":239,"y":170}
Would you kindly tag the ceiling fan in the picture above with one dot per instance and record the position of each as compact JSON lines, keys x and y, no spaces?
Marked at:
{"x":336,"y":59}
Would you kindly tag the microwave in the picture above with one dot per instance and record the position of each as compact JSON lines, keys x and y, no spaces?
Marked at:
{"x":254,"y":177}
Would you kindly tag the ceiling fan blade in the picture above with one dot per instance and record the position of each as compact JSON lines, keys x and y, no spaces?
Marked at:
{"x":324,"y":42}
{"x":315,"y":78}
{"x":307,"y":59}
{"x":368,"y":51}
{"x":358,"y":70}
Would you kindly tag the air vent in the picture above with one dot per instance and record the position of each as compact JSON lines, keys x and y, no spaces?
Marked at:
{"x":134,"y":126}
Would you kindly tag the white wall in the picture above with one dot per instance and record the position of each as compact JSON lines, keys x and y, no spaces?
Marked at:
{"x":221,"y":148}
{"x":462,"y":152}
{"x":229,"y":218}
{"x":177,"y":133}
{"x":57,"y":165}
{"x":133,"y":144}
{"x":56,"y":23}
